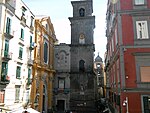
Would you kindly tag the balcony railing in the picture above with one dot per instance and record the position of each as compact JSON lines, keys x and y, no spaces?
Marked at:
{"x":23,"y":21}
{"x":7,"y":56}
{"x":5,"y":79}
{"x":31,"y":29}
{"x":30,"y":62}
{"x":61,"y":90}
{"x":9,"y":35}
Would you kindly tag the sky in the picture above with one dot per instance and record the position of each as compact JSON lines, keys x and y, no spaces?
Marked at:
{"x":60,"y":10}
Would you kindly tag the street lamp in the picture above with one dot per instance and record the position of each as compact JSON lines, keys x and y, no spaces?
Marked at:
{"x":125,"y":103}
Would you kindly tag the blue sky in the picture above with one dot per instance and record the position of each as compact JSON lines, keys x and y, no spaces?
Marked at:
{"x":60,"y":10}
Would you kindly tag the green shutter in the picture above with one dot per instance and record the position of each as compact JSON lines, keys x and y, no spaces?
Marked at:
{"x":18,"y":72}
{"x":20,"y":52}
{"x":22,"y":34}
{"x":4,"y":70}
{"x":30,"y":41}
{"x":8,"y":25}
{"x":6,"y":48}
{"x":29,"y":75}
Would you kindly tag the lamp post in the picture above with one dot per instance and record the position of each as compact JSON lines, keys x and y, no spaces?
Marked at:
{"x":125,"y":103}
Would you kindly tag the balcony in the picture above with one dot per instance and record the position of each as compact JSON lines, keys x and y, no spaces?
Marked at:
{"x":30,"y":62}
{"x":66,"y":90}
{"x":9,"y":35}
{"x":5,"y":79}
{"x":31,"y":47}
{"x":61,"y":90}
{"x":7,"y":56}
{"x":23,"y":21}
{"x":31,"y":29}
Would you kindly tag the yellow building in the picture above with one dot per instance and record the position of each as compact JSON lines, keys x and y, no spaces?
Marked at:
{"x":43,"y":67}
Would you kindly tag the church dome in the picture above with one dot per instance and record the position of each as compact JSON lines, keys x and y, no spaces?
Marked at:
{"x":98,"y":59}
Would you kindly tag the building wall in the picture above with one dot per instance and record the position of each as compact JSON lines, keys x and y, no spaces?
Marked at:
{"x":127,"y":56}
{"x":13,"y":37}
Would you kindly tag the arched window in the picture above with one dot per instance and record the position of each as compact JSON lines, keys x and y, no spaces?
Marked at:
{"x":82,"y":12}
{"x":46,"y":52}
{"x":81,"y":66}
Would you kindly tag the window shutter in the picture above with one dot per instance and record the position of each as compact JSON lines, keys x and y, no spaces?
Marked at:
{"x":18,"y":71}
{"x":145,"y":103}
{"x":22,"y":34}
{"x":138,"y":30}
{"x":8,"y":25}
{"x":20,"y":52}
{"x":29,"y":73}
{"x":30,"y":39}
{"x":144,"y":29}
{"x":6,"y":48}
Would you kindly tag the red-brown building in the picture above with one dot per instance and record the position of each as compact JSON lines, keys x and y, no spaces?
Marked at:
{"x":127,"y":62}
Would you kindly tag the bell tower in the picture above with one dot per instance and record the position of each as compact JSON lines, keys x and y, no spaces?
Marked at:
{"x":82,"y":78}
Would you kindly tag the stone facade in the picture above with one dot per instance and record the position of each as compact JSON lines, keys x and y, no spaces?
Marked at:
{"x":62,"y":77}
{"x":82,"y":78}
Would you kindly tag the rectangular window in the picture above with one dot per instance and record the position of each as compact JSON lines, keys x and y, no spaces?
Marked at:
{"x":29,"y":75}
{"x":114,"y":73}
{"x":112,"y":43}
{"x":6,"y":50}
{"x":20,"y":52}
{"x":22,"y":34}
{"x":30,"y":41}
{"x":116,"y":36}
{"x":118,"y":75}
{"x":139,"y":2}
{"x":18,"y":72}
{"x":8,"y":25}
{"x":61,"y":83}
{"x":145,"y":73}
{"x":4,"y":71}
{"x":142,"y":29}
{"x":17,"y":92}
{"x":146,"y":104}
{"x":27,"y":96}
